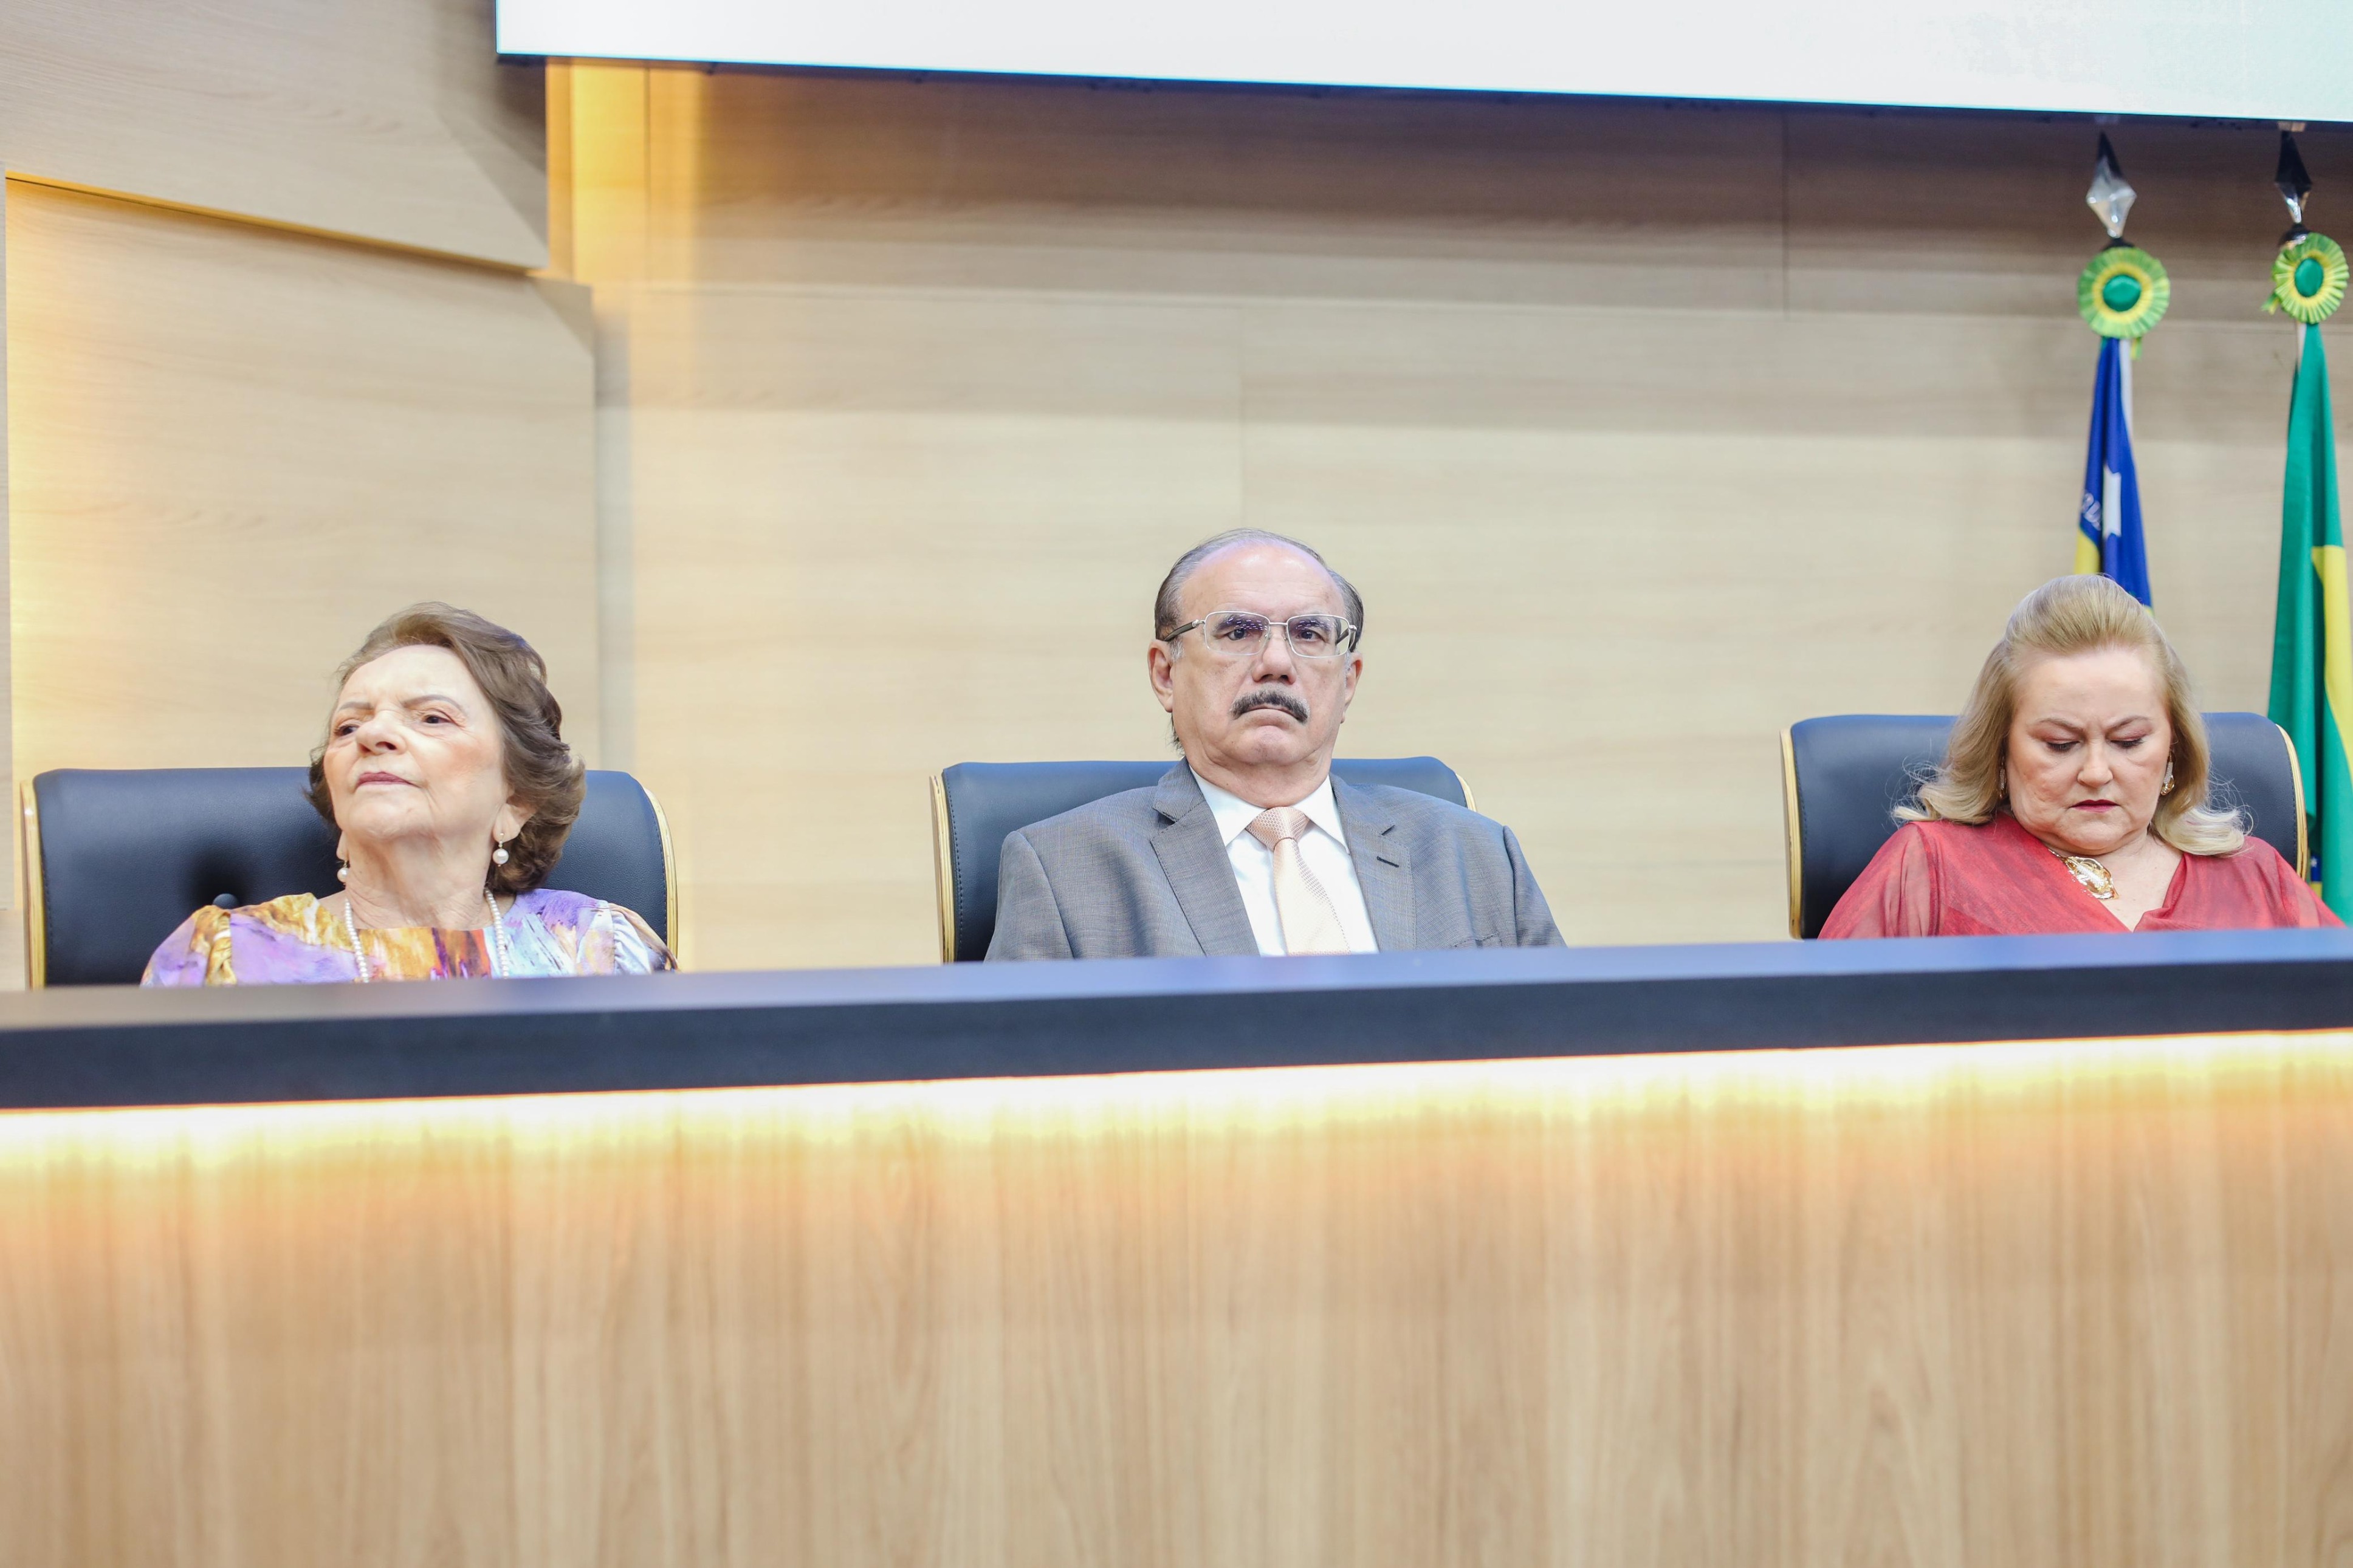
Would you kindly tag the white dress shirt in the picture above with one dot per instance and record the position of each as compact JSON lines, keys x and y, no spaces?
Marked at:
{"x":1324,"y":849}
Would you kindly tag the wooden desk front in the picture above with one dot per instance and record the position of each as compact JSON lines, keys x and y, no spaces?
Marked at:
{"x":2020,"y":1303}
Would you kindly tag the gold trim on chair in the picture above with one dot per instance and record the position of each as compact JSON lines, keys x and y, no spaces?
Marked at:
{"x":669,"y":878}
{"x":37,"y":904}
{"x":1793,"y":834}
{"x":944,"y":867}
{"x":2295,"y":777}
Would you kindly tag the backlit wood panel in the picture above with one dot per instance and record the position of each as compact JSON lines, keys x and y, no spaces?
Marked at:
{"x":2073,"y":1303}
{"x":389,"y":119}
{"x":12,"y":930}
{"x":233,"y":450}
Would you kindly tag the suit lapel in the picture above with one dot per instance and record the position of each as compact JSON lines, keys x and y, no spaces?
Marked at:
{"x":1193,"y":858}
{"x":1384,"y":869}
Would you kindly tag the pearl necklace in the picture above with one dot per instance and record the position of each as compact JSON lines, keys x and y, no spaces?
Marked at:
{"x":501,"y":949}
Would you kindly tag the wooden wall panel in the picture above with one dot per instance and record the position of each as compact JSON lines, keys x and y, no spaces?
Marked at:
{"x":389,"y":121}
{"x":234,"y":449}
{"x":2075,"y":1304}
{"x":1646,"y":429}
{"x":392,"y":124}
{"x":807,"y":548}
{"x":12,"y":930}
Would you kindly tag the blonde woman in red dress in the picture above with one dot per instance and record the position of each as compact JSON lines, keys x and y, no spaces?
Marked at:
{"x":2073,"y":797}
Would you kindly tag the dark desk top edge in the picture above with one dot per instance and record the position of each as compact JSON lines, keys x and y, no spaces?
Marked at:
{"x":120,"y":1046}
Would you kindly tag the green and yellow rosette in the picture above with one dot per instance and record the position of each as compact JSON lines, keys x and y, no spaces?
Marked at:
{"x":2123,"y":292}
{"x":2308,"y":279}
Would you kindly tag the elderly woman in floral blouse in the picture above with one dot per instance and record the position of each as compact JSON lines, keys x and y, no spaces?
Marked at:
{"x":446,"y":770}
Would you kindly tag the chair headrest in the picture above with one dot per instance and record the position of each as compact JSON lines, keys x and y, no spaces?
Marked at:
{"x":125,"y":856}
{"x":1845,"y":775}
{"x":976,"y":805}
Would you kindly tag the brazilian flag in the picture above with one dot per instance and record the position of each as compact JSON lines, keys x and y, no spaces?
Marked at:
{"x":2312,"y":637}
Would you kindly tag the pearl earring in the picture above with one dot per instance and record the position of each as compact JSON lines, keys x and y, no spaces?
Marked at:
{"x":499,"y":856}
{"x":343,"y":873}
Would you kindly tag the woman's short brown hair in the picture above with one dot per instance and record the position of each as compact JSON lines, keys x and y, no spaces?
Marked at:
{"x":542,"y":773}
{"x":2071,"y":616}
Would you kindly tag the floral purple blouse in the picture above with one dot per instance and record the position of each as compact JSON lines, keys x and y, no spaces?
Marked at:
{"x":292,"y":941}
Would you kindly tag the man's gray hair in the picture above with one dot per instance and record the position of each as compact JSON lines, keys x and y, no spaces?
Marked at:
{"x":1164,"y":610}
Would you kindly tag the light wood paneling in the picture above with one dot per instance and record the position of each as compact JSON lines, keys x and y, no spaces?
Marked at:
{"x":234,"y":449}
{"x":2076,"y":1303}
{"x":836,"y":592}
{"x":390,"y":120}
{"x":11,"y":930}
{"x":1647,"y":430}
{"x":215,"y":407}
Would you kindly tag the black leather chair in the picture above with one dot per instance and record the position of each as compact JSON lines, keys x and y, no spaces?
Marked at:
{"x":114,"y":861}
{"x":1841,"y":779}
{"x":976,"y":805}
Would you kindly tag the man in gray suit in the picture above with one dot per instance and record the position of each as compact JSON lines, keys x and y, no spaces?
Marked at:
{"x":1249,"y":845}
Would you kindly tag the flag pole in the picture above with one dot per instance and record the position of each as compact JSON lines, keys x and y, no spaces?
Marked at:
{"x":2121,"y":295}
{"x":2312,"y":625}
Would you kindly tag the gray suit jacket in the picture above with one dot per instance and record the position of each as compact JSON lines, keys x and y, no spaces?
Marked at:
{"x":1143,"y":874}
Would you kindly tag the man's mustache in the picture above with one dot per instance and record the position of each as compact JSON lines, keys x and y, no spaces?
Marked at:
{"x":1270,"y":697}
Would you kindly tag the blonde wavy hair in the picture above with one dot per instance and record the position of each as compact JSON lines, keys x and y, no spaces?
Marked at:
{"x":2071,"y":616}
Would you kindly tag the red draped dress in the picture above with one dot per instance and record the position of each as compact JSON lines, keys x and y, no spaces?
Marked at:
{"x":1949,"y":878}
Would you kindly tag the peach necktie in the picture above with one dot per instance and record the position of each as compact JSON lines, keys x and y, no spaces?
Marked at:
{"x":1310,"y":924}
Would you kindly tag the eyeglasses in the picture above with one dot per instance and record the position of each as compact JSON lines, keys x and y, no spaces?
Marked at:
{"x":1235,"y":634}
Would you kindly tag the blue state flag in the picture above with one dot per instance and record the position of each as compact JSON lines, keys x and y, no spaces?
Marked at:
{"x":2110,"y":541}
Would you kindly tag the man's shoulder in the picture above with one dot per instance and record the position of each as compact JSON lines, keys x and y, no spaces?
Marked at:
{"x":1471,"y":882}
{"x":1425,"y":813}
{"x":1128,"y":815}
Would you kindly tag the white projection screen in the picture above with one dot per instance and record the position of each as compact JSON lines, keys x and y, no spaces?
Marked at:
{"x":2256,"y":60}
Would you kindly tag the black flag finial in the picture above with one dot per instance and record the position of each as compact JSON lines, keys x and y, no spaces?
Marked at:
{"x":2111,"y":196}
{"x":2293,"y":182}
{"x":2108,"y":156}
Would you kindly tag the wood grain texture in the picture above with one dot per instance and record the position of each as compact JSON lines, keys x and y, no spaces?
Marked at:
{"x":234,"y":450}
{"x":383,"y":119}
{"x":1646,"y":431}
{"x":2085,"y":1302}
{"x":11,"y":930}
